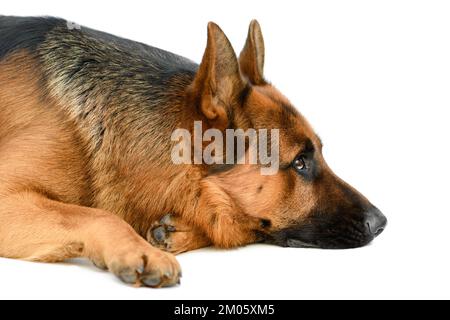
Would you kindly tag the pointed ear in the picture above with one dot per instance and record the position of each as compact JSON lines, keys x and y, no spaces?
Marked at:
{"x":251,"y":59}
{"x":218,"y":83}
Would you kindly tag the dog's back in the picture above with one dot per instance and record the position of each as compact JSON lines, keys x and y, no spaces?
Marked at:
{"x":83,"y":69}
{"x":18,"y":33}
{"x":66,"y":49}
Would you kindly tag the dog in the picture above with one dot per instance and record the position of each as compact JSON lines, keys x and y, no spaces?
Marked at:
{"x":85,"y":155}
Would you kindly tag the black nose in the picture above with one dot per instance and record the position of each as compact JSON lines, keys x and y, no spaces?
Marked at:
{"x":375,"y":222}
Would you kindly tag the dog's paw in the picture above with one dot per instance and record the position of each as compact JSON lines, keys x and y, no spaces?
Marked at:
{"x":160,"y":233}
{"x":133,"y":259}
{"x":146,"y":267}
{"x":172,"y":235}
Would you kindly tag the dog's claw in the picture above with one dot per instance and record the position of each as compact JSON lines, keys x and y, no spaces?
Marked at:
{"x":167,"y":219}
{"x":159,"y":234}
{"x":152,"y":281}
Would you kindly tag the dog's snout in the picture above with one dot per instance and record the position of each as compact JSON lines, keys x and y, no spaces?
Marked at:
{"x":375,"y":222}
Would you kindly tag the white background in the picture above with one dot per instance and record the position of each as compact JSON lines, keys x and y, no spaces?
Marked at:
{"x":373,"y":77}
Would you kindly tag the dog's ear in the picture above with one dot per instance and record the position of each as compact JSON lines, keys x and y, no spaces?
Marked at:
{"x":251,"y":59}
{"x":218,"y":83}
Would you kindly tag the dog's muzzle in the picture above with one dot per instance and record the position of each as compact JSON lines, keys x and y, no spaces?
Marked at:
{"x":333,"y":231}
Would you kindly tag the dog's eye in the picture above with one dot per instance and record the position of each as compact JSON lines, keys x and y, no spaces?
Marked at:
{"x":299,"y":163}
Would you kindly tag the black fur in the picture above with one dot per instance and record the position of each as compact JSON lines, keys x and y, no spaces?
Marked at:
{"x":162,"y":59}
{"x":27,"y":33}
{"x":343,"y":227}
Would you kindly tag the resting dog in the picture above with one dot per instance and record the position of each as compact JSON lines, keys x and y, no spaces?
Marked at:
{"x":86,"y":120}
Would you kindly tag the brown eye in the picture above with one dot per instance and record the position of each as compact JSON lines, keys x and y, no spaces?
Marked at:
{"x":299,"y":164}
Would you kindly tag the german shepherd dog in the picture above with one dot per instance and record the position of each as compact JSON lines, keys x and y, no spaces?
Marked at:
{"x":85,"y":165}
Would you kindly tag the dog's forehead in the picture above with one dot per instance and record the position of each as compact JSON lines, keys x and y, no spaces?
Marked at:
{"x":274,"y":110}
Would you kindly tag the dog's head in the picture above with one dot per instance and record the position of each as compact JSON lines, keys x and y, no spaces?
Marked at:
{"x":304,"y":204}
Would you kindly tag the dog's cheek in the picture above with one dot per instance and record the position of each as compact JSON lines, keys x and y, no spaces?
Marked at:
{"x":261,"y":197}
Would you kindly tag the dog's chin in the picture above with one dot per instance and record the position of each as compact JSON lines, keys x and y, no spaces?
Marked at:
{"x":330,"y":242}
{"x":296,"y":243}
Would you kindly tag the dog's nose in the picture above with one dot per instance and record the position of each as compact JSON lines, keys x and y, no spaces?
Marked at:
{"x":375,"y":222}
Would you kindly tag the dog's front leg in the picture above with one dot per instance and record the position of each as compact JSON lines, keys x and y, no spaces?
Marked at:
{"x":212,"y":225}
{"x":35,"y":228}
